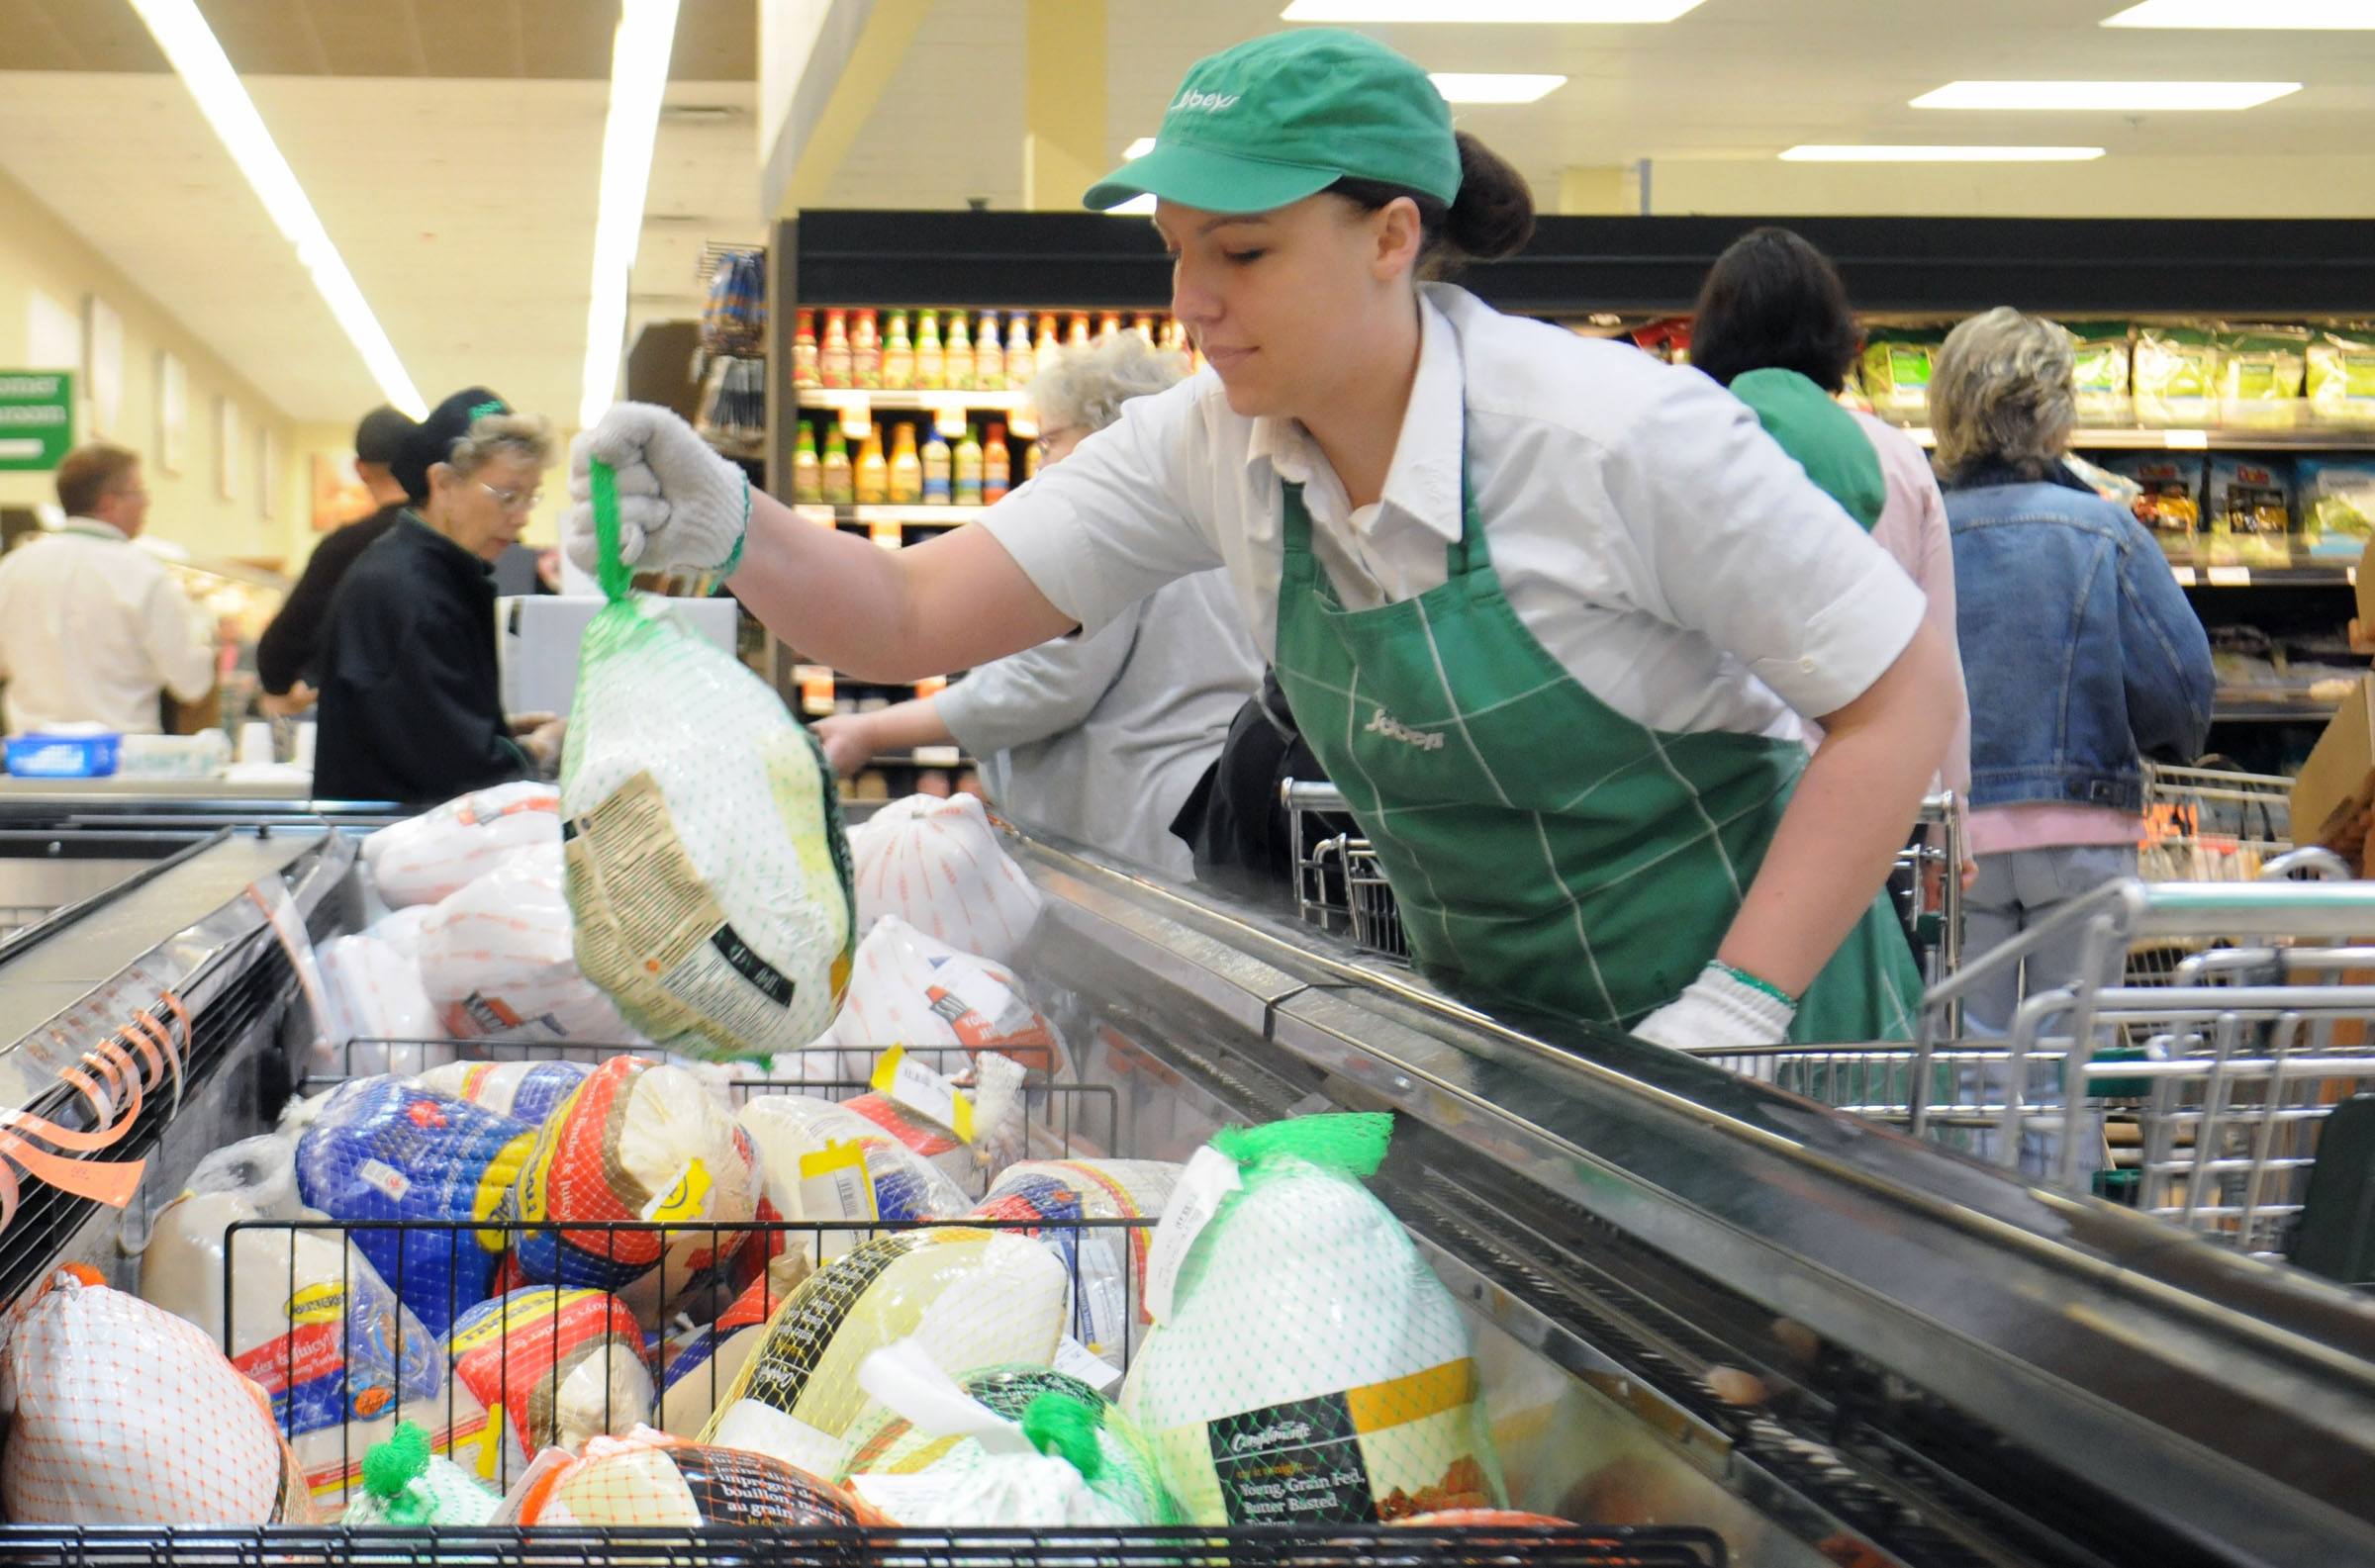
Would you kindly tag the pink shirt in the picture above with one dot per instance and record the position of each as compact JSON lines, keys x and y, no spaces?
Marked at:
{"x":1913,"y":528}
{"x":2000,"y":830}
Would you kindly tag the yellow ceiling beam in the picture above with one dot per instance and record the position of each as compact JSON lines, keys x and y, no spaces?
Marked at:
{"x":1064,"y":123}
{"x":851,"y":53}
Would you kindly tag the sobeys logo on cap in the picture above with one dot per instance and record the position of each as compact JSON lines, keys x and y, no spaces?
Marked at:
{"x":479,"y":410}
{"x":1203,"y":103}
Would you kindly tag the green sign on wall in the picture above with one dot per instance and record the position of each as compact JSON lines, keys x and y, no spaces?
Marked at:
{"x":36,"y":417}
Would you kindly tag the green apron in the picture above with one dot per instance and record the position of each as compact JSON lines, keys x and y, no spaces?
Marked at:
{"x":1542,"y":847}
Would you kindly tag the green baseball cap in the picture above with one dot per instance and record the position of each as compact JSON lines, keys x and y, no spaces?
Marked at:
{"x":1286,"y":116}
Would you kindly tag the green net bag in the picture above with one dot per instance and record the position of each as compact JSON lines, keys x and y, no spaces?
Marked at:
{"x":410,"y":1488}
{"x":708,"y":875}
{"x":1306,"y":1368}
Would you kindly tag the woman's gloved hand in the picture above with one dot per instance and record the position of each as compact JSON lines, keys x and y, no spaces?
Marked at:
{"x":1723,"y":1009}
{"x":681,"y":504}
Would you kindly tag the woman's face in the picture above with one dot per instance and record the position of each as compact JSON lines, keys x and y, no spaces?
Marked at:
{"x":484,"y":512}
{"x":1283,"y":304}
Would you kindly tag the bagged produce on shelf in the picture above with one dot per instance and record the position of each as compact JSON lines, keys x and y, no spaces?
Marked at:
{"x":1307,"y":1365}
{"x":2171,"y":506}
{"x":119,"y":1413}
{"x":497,"y":961}
{"x":2342,"y":376}
{"x":638,"y":1141}
{"x":824,"y":1162}
{"x":708,"y":867}
{"x":312,"y":1323}
{"x":2260,"y":370}
{"x":2118,"y":489}
{"x":973,"y":1298}
{"x":970,"y":1125}
{"x":915,"y":990}
{"x":2338,"y":504}
{"x":430,"y":857}
{"x":407,"y":1487}
{"x":2104,"y":351}
{"x":528,"y":1090}
{"x":1064,"y":1458}
{"x":375,"y":987}
{"x":648,"y":1478}
{"x":1895,"y":368}
{"x":387,"y":1148}
{"x":698,"y":1366}
{"x":1106,"y":1265}
{"x":937,"y":864}
{"x":2250,"y":512}
{"x":2176,"y":376}
{"x":553,"y":1366}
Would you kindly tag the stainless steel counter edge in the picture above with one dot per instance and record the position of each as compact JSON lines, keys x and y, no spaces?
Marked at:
{"x":2236,"y":1398}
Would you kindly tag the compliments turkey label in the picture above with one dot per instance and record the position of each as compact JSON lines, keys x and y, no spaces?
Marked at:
{"x":651,"y":933}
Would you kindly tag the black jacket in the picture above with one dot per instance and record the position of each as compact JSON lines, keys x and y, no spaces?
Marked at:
{"x":412,"y":705}
{"x":285,"y":655}
{"x":1234,"y":822}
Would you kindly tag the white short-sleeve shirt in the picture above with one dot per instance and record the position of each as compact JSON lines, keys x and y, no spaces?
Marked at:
{"x":1649,"y":534}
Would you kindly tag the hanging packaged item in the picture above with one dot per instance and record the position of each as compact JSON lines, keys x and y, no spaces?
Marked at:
{"x":937,"y":864}
{"x":1895,"y":368}
{"x":2250,"y":512}
{"x":2176,"y":376}
{"x":824,"y":1163}
{"x":528,"y":1090}
{"x":698,"y":1365}
{"x":387,"y":1148}
{"x":2103,"y":350}
{"x":1306,"y":1366}
{"x":436,"y":854}
{"x":707,"y":869}
{"x":2260,"y":371}
{"x":2337,"y":505}
{"x":969,"y":1125}
{"x":911,"y":990}
{"x":650,"y":1480}
{"x":733,"y":317}
{"x":375,"y":989}
{"x":498,"y":960}
{"x":2342,"y":376}
{"x":636,"y":1140}
{"x":407,"y":1487}
{"x":973,"y":1298}
{"x":312,"y":1323}
{"x":550,"y":1367}
{"x":1107,"y":1266}
{"x":1668,"y":340}
{"x":2169,"y":499}
{"x":1065,"y":1458}
{"x":119,"y":1413}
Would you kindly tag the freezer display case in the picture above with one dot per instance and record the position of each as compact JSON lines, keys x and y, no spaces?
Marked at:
{"x":1713,"y":1321}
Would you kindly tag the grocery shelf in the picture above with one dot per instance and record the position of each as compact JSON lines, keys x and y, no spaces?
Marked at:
{"x":2245,"y":706}
{"x":2241,"y":439}
{"x":843,"y":400}
{"x":2301,"y":574}
{"x":922,"y":757}
{"x":914,"y":516}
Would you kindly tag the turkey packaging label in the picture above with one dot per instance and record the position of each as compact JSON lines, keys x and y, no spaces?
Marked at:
{"x":387,"y":1148}
{"x":1107,"y":1265}
{"x":528,"y":1090}
{"x":436,"y":854}
{"x":915,"y":990}
{"x":549,"y":1367}
{"x":1309,"y":1368}
{"x":825,"y":1161}
{"x":497,"y":961}
{"x":968,"y":1127}
{"x":937,"y":864}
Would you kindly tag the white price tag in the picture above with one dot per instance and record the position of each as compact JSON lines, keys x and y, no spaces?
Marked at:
{"x":2230,"y":577}
{"x":833,"y":1184}
{"x":2184,"y":576}
{"x":1209,"y":1177}
{"x":1073,"y":1359}
{"x":910,"y":1083}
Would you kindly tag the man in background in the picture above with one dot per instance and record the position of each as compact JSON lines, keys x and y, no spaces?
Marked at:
{"x":284,"y":658}
{"x":92,"y":628}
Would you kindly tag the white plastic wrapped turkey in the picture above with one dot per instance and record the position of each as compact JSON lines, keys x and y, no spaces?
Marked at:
{"x":911,"y":990}
{"x":436,"y":854}
{"x":497,"y":960}
{"x":936,"y":864}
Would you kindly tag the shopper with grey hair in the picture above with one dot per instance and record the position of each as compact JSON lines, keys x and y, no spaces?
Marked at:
{"x":2080,"y":652}
{"x":1099,"y":737}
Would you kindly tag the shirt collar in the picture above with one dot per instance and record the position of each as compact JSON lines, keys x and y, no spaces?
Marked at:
{"x":92,"y":527}
{"x":1423,"y":481}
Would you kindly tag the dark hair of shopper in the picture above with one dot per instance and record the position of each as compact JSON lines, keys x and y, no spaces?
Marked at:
{"x":88,"y":473}
{"x":1492,"y":215}
{"x":1773,"y":301}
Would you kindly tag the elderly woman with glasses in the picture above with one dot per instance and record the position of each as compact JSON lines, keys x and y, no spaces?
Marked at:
{"x":412,"y":707}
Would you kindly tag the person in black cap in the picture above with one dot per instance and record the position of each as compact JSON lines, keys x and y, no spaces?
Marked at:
{"x":411,"y":702}
{"x":285,"y":655}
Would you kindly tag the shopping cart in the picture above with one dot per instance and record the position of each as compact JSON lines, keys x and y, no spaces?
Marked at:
{"x":2212,"y":825}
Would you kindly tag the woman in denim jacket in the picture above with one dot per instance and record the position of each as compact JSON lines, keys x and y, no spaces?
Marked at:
{"x":2080,"y":653}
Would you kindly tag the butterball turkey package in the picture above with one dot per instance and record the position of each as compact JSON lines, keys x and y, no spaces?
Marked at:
{"x":1306,"y":1368}
{"x":708,"y":867}
{"x":553,"y":1366}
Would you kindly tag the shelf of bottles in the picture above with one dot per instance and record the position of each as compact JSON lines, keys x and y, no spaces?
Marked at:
{"x":823,"y":693}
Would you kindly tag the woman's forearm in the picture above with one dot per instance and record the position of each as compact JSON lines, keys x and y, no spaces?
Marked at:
{"x":1851,"y":816}
{"x":904,"y":726}
{"x":890,"y":616}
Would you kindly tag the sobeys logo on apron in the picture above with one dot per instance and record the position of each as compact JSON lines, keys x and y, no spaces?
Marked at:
{"x":1386,"y":724}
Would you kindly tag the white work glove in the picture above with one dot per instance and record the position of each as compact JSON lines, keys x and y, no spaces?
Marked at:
{"x":680,"y":505}
{"x":1719,"y":1012}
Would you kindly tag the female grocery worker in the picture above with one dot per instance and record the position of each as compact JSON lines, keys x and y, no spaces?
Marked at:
{"x":1544,"y":607}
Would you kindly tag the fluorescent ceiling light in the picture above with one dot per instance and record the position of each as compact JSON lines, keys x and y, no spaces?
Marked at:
{"x":1138,"y":149}
{"x":189,"y":44}
{"x":639,"y":79}
{"x":2255,"y":15}
{"x":1814,"y":153}
{"x":1481,"y":87}
{"x":1539,"y":12}
{"x":2156,"y":95}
